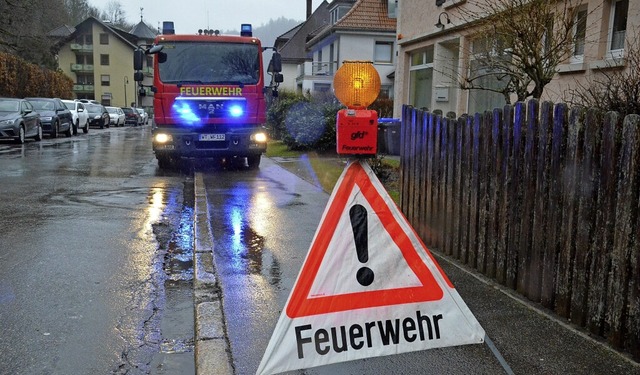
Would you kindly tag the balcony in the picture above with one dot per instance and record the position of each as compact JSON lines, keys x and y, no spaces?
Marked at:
{"x":83,"y":88}
{"x":81,"y":48}
{"x":317,"y":69}
{"x":82,"y":68}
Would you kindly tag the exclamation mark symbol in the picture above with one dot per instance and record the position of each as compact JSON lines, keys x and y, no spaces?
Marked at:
{"x":358,"y":216}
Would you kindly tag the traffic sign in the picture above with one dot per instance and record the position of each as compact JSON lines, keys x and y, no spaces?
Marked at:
{"x":368,"y":287}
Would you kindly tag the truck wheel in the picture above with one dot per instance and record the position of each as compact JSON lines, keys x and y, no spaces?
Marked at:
{"x":253,"y":161}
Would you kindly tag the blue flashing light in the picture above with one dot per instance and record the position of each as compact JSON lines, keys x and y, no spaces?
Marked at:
{"x":236,"y":111}
{"x":245,"y":30}
{"x":185,"y":112}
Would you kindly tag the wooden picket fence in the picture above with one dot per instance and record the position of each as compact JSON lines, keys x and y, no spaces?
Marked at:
{"x":542,"y":198}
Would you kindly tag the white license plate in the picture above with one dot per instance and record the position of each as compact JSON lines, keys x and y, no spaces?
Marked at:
{"x":212,"y":137}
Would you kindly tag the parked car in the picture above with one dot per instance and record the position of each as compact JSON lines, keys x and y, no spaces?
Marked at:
{"x":98,"y":115}
{"x":80,"y":115}
{"x":116,"y":115}
{"x":89,"y":101}
{"x":132,"y":117}
{"x":19,"y":120}
{"x":144,"y":117}
{"x":55,"y":117}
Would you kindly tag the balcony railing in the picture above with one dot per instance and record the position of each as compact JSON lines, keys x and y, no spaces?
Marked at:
{"x":323,"y":69}
{"x":83,"y":88}
{"x":81,"y":67}
{"x":81,"y":47}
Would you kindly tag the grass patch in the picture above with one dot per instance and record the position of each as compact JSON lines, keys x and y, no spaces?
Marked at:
{"x":328,"y":168}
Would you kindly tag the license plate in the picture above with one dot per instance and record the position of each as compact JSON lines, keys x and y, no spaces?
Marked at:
{"x":212,"y":137}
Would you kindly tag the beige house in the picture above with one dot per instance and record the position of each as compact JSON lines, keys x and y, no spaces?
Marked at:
{"x":99,"y":59}
{"x":435,"y":44}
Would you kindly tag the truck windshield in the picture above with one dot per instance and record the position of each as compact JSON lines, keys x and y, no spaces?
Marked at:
{"x":211,"y":63}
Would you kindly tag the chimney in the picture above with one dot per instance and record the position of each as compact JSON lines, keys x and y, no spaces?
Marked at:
{"x":309,"y":8}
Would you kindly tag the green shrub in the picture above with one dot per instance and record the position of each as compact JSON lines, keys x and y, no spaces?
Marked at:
{"x":278,"y":109}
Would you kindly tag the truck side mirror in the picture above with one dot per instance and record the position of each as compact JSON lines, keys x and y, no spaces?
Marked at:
{"x":276,"y":62}
{"x":278,"y":78}
{"x":138,"y":76}
{"x":162,"y":57}
{"x":138,"y":58}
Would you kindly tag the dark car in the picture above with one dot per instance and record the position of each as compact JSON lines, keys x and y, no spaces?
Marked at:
{"x":131,"y":116}
{"x":19,"y":120}
{"x":98,"y":115}
{"x":55,"y":117}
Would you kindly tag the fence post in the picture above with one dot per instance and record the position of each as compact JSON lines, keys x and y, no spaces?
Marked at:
{"x":428,"y":180}
{"x":514,"y":195}
{"x":570,"y":176}
{"x":623,"y":283}
{"x":539,"y":233}
{"x":466,"y":189}
{"x":585,"y":220}
{"x":451,"y":201}
{"x":495,"y":244}
{"x":604,"y":226}
{"x":556,"y":183}
{"x":457,"y":223}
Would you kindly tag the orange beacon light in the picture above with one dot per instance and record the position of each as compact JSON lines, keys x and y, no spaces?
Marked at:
{"x":356,"y":85}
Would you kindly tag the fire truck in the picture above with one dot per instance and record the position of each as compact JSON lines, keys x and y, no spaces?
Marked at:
{"x":208,"y":95}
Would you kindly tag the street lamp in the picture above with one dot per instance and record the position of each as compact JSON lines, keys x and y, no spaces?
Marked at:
{"x":126,"y":80}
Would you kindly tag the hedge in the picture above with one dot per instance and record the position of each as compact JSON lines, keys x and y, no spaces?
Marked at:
{"x":19,"y":79}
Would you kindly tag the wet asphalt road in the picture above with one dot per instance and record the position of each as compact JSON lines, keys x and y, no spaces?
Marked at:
{"x":94,"y":258}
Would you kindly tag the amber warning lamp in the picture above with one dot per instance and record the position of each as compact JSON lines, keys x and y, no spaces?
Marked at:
{"x":357,"y":84}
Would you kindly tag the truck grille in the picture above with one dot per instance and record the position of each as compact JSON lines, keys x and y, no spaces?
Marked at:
{"x":204,"y":108}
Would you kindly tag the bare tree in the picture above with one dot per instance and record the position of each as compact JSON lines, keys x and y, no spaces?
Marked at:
{"x":115,"y":15}
{"x":614,"y":88}
{"x":521,"y":45}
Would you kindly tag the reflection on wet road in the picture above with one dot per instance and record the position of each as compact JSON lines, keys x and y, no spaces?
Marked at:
{"x":93,"y":278}
{"x":256,"y":218}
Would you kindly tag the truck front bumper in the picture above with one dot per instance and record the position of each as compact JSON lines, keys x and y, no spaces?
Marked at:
{"x":180,"y":142}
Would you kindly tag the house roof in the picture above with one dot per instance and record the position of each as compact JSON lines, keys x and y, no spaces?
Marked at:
{"x":143,"y":31}
{"x":294,"y":48}
{"x":365,"y":15}
{"x":124,"y":36}
{"x":61,"y":31}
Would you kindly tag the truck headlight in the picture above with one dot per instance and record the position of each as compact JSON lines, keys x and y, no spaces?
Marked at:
{"x":259,"y":137}
{"x":163,"y":138}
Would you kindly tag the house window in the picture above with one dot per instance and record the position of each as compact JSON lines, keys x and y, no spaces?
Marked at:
{"x":104,"y":59}
{"x":383,"y":52}
{"x":338,"y":12}
{"x":105,"y":80}
{"x":618,"y":28}
{"x":579,"y":34}
{"x":421,"y":78}
{"x":385,"y":92}
{"x":104,"y":38}
{"x":392,"y":6}
{"x":487,"y":77}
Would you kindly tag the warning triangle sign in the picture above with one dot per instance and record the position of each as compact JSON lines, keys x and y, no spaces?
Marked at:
{"x":368,"y":287}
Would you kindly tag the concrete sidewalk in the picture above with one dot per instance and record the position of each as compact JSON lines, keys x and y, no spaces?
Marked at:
{"x":531,"y":340}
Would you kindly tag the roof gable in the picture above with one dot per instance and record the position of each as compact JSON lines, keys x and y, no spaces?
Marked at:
{"x":364,"y":16}
{"x":294,"y":48}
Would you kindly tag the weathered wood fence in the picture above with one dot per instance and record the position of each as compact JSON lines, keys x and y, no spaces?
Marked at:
{"x":540,"y":197}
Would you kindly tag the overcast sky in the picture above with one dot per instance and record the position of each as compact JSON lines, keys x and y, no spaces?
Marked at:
{"x":190,"y":15}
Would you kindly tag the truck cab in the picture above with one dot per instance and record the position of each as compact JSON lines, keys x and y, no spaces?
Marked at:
{"x":209,"y":96}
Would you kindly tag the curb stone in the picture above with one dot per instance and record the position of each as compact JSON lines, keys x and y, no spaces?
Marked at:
{"x":212,"y":353}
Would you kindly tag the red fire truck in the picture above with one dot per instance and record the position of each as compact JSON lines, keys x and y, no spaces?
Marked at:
{"x":209,"y":95}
